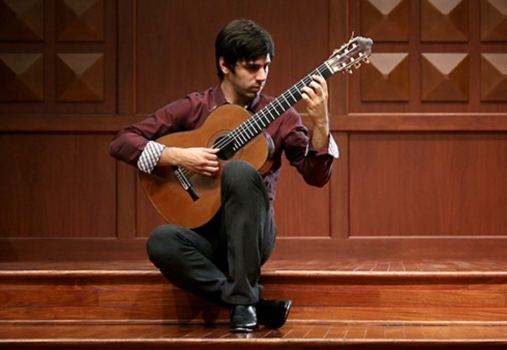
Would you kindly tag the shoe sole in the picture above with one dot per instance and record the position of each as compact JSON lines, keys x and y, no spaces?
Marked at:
{"x":243,"y":330}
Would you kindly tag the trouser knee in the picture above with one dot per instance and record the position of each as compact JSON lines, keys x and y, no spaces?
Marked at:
{"x":240,"y":176}
{"x":160,"y":243}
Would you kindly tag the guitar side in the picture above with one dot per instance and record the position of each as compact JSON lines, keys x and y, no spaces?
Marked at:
{"x":166,"y":193}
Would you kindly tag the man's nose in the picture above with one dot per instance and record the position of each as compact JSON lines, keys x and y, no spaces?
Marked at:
{"x":262,"y":74}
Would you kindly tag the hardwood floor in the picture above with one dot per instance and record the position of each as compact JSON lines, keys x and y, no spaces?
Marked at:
{"x":340,"y":304}
{"x":337,"y":265}
{"x":294,"y":336}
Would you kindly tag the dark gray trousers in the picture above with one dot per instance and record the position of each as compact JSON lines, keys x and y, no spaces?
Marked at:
{"x":221,"y":261}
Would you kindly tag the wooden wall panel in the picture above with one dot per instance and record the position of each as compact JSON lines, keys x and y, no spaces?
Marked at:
{"x":444,"y":20}
{"x":385,"y":20}
{"x":57,"y":185}
{"x":437,"y":31}
{"x":428,"y":184}
{"x":301,"y":210}
{"x":147,"y":217}
{"x":494,"y":77}
{"x":493,"y":20}
{"x":75,"y":46}
{"x":22,"y":20}
{"x":386,"y":78}
{"x":80,"y":21}
{"x":22,"y":77}
{"x":445,"y":77}
{"x":79,"y":77}
{"x":175,"y":44}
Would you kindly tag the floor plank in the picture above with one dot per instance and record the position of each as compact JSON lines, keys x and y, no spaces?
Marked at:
{"x":344,"y":265}
{"x":291,"y":331}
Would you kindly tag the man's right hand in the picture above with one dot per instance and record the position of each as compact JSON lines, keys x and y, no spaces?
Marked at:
{"x":200,"y":160}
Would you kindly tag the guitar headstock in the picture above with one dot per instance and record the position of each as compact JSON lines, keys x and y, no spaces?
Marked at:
{"x":350,"y":54}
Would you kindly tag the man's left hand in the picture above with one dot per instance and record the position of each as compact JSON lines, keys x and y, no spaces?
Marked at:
{"x":316,"y":97}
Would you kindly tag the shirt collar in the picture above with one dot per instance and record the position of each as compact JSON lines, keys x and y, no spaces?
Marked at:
{"x":219,"y":99}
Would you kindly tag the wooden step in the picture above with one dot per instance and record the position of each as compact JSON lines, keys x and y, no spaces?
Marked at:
{"x":355,"y":335}
{"x":339,"y":291}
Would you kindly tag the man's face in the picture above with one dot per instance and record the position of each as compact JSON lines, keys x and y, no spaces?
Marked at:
{"x":249,"y":77}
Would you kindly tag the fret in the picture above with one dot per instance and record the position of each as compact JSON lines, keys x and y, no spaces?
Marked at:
{"x":260,"y":120}
{"x":296,"y":94}
{"x":291,"y":95}
{"x":286,"y":101}
{"x":257,"y":125}
{"x":242,"y":138}
{"x":270,"y":110}
{"x":279,"y":105}
{"x":263,"y":123}
{"x":249,"y":129}
{"x":260,"y":116}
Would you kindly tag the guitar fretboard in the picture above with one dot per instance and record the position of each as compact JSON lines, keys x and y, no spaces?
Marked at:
{"x":260,"y":120}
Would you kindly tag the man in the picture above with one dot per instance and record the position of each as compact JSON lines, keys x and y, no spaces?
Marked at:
{"x":221,"y":261}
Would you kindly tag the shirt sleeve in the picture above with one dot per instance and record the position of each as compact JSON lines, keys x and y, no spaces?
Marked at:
{"x":314,"y":165}
{"x":150,"y":156}
{"x":129,"y":144}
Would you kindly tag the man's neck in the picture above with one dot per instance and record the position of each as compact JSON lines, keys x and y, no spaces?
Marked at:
{"x":231,"y":96}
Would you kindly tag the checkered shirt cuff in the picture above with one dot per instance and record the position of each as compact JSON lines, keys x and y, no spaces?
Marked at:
{"x":150,"y":156}
{"x":333,"y":147}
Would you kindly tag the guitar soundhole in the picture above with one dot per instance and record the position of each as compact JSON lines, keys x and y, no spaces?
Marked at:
{"x":226,"y":148}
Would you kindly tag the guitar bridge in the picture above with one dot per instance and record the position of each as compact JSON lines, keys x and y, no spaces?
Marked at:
{"x":185,"y":183}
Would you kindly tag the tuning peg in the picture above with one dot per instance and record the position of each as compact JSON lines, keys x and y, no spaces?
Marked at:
{"x":366,"y":60}
{"x":357,"y":65}
{"x":349,"y":70}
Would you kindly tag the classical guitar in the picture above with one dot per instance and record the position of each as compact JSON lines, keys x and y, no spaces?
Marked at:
{"x":190,"y":200}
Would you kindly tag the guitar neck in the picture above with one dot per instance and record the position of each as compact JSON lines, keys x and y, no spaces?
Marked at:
{"x":350,"y":54}
{"x":260,"y":120}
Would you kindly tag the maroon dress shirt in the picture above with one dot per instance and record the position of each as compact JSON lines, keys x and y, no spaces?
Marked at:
{"x":287,"y":133}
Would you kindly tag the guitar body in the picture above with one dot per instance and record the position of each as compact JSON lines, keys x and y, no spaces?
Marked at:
{"x":166,"y":193}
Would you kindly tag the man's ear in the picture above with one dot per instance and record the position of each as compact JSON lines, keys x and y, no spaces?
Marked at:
{"x":225,"y":69}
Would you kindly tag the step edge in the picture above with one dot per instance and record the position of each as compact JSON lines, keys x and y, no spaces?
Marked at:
{"x":258,"y":341}
{"x":170,"y":323}
{"x":278,"y":273}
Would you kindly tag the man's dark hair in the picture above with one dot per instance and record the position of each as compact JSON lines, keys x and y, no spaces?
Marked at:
{"x":242,"y":40}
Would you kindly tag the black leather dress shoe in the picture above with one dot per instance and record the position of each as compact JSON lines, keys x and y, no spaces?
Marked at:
{"x":273,"y":313}
{"x":243,"y":319}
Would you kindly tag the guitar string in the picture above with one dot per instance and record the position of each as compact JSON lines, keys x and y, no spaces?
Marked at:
{"x":268,"y":109}
{"x":271,"y":108}
{"x":264,"y":115}
{"x":249,"y":124}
